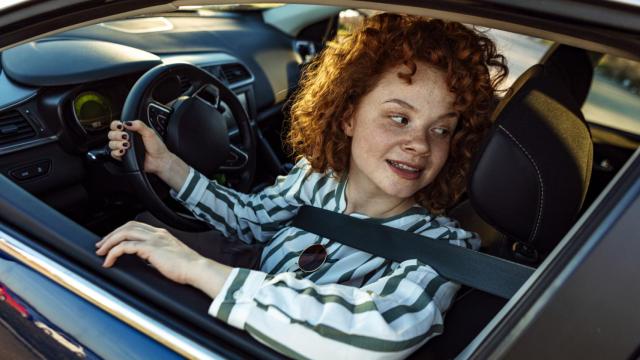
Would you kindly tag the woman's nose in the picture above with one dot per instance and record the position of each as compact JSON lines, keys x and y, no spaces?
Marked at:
{"x":417,"y":144}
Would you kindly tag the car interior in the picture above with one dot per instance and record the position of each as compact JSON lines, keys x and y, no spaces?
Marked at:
{"x":553,"y":148}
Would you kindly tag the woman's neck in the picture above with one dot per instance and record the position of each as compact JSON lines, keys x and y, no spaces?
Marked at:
{"x":366,"y":198}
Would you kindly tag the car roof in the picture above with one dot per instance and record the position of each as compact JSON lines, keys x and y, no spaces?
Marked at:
{"x":606,"y":26}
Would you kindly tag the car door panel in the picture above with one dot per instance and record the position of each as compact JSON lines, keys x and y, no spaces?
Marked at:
{"x":52,"y":321}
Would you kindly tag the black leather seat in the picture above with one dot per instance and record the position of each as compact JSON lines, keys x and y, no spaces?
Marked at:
{"x":528,"y":181}
{"x":531,"y":176}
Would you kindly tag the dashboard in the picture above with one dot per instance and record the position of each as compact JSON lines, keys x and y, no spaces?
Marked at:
{"x":58,"y":95}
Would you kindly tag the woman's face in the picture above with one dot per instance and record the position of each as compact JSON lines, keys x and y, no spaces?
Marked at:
{"x":401,"y":133}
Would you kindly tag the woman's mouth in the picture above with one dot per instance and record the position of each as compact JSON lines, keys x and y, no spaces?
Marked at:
{"x":404,"y":170}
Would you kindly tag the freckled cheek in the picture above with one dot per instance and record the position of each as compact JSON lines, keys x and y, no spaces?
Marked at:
{"x":374,"y":138}
{"x":438,"y":149}
{"x":440,"y":154}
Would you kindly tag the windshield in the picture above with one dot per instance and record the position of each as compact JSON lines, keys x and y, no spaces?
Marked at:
{"x":230,"y":7}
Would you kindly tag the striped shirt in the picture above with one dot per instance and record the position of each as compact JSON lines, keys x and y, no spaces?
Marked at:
{"x":356,"y":305}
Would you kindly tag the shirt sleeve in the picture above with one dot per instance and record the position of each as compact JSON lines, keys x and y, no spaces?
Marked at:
{"x":249,"y":216}
{"x":386,"y":319}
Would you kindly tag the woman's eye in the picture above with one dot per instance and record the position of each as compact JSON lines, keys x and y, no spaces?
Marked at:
{"x":442,"y":132}
{"x":400,"y":119}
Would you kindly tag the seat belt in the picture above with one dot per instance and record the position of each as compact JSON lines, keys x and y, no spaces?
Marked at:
{"x":465,"y":266}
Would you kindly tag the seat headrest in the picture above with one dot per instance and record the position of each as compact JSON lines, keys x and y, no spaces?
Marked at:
{"x":574,"y":66}
{"x":531,"y":175}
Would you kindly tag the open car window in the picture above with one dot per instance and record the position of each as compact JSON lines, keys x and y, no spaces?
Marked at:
{"x":614,"y":98}
{"x":521,"y":51}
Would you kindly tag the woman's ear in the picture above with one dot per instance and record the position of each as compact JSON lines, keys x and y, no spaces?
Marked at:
{"x":348,"y":126}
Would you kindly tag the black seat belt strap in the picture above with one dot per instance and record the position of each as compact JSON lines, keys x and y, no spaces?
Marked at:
{"x":465,"y":266}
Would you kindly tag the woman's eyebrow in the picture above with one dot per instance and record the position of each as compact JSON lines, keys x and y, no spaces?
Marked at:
{"x":452,"y":114}
{"x":402,"y":103}
{"x":408,"y":106}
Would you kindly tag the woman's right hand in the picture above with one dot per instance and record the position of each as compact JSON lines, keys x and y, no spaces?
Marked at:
{"x":158,"y":159}
{"x":157,"y":156}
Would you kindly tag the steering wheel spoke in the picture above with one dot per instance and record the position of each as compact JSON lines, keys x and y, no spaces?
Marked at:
{"x":236,"y":161}
{"x":209,"y":94}
{"x":158,"y":115}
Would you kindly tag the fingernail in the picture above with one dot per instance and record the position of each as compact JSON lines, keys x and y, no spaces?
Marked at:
{"x":128,"y":123}
{"x":121,"y":151}
{"x":119,"y":127}
{"x":125,"y":144}
{"x":124,"y":136}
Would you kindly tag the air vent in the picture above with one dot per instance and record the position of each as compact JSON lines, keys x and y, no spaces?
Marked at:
{"x":216,"y":71}
{"x":14,"y":127}
{"x":306,"y":50}
{"x":235,"y":73}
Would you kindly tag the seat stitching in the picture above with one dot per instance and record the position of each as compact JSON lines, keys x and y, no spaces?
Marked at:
{"x":541,"y":191}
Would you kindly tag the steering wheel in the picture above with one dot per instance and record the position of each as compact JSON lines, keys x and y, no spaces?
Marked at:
{"x":193,"y":127}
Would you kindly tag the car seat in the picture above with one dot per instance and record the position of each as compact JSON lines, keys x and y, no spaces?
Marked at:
{"x":527,"y":183}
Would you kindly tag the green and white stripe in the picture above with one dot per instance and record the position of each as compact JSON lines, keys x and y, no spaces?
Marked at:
{"x":355,"y":305}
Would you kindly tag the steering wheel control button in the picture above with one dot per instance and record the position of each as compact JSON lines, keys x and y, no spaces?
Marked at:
{"x":31,"y":171}
{"x":158,"y":118}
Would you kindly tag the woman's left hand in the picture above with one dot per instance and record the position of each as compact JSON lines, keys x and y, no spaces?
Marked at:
{"x":168,"y":255}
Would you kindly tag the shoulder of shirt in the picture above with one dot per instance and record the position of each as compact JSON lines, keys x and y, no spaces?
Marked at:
{"x":447,"y":221}
{"x":311,"y":175}
{"x":302,"y":163}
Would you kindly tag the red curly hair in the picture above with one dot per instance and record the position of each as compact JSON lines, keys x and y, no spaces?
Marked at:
{"x":346,"y":70}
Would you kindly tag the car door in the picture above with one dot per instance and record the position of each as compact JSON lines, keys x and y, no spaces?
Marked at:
{"x":41,"y":318}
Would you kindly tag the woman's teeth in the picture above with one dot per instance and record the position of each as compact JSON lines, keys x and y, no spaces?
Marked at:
{"x":402,"y":166}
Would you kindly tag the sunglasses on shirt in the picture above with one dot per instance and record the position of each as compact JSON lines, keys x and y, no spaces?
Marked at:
{"x":312,"y":258}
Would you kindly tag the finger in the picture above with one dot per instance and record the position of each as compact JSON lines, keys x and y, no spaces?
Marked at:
{"x":133,"y":235}
{"x":141,"y":128}
{"x":116,"y":125}
{"x":117,"y":154}
{"x":132,"y":230}
{"x":127,"y":247}
{"x":125,"y":225}
{"x":113,"y":240}
{"x":145,"y":226}
{"x":118,"y":144}
{"x":118,"y":135}
{"x":129,"y":225}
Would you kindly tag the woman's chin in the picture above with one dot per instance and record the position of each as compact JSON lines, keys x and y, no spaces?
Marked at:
{"x":401,"y":192}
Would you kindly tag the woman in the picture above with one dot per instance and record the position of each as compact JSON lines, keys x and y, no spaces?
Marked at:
{"x":385,"y":124}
